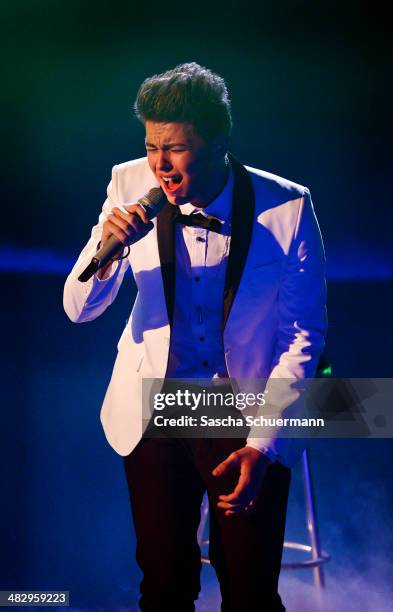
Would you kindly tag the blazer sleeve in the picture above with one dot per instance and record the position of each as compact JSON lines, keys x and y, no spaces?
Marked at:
{"x":302,"y":324}
{"x":86,"y":301}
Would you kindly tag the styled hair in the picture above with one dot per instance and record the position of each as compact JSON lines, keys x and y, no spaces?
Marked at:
{"x":188,"y":93}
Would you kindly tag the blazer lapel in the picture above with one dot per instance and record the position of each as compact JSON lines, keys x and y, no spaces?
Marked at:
{"x":166,"y":249}
{"x":243,"y":206}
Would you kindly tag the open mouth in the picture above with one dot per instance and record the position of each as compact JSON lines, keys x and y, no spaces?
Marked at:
{"x":173,"y":182}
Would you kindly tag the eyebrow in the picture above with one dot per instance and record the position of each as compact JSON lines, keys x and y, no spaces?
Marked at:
{"x":169,"y":144}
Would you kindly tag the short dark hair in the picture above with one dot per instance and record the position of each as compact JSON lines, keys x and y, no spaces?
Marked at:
{"x":188,"y":93}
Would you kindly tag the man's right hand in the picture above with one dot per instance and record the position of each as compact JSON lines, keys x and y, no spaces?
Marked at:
{"x":128,"y":223}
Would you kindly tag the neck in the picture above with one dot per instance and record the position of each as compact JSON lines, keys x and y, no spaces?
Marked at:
{"x":215,"y":185}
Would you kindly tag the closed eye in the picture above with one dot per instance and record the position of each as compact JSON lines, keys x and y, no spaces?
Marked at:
{"x":174,"y":147}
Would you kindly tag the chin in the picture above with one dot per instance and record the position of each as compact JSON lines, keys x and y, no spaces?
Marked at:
{"x":176,"y":200}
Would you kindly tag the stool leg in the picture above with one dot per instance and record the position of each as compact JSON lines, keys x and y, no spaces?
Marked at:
{"x":312,"y":522}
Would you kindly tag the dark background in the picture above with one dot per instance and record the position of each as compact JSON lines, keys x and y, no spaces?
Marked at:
{"x":311,"y":94}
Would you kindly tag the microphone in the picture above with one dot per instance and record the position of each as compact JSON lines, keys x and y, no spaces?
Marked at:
{"x":151,"y":202}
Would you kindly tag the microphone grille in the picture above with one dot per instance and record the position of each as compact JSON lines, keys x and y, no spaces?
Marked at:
{"x":153,"y":196}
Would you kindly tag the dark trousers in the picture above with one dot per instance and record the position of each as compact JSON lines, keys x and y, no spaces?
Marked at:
{"x":167,"y":479}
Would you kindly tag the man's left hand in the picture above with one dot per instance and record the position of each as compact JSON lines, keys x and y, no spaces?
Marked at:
{"x":252,"y":466}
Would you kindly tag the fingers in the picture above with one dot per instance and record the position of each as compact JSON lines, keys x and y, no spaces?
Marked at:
{"x":137,"y":210}
{"x":230,"y":462}
{"x":126,"y":223}
{"x":240,"y":492}
{"x":129,"y":221}
{"x":112,"y":227}
{"x":236,"y":508}
{"x":231,"y":506}
{"x":242,"y":497}
{"x":239,"y":499}
{"x":230,"y":509}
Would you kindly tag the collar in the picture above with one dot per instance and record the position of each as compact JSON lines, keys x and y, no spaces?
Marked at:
{"x":220,"y":208}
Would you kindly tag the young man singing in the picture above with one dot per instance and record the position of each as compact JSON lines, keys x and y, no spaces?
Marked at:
{"x":230,"y":279}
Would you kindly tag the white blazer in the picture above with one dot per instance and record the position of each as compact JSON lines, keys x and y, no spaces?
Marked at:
{"x":274,"y":313}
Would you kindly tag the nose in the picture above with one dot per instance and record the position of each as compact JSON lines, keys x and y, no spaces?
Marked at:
{"x":163,"y":161}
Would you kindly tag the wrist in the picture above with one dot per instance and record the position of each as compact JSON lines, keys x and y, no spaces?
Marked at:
{"x":105,"y":271}
{"x":268,"y":453}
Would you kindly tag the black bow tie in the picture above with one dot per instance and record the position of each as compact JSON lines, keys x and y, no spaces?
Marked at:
{"x":198,"y":220}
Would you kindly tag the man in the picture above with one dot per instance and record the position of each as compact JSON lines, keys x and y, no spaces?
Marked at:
{"x":246,"y":301}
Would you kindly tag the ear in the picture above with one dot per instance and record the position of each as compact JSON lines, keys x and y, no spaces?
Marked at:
{"x":219,"y":146}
